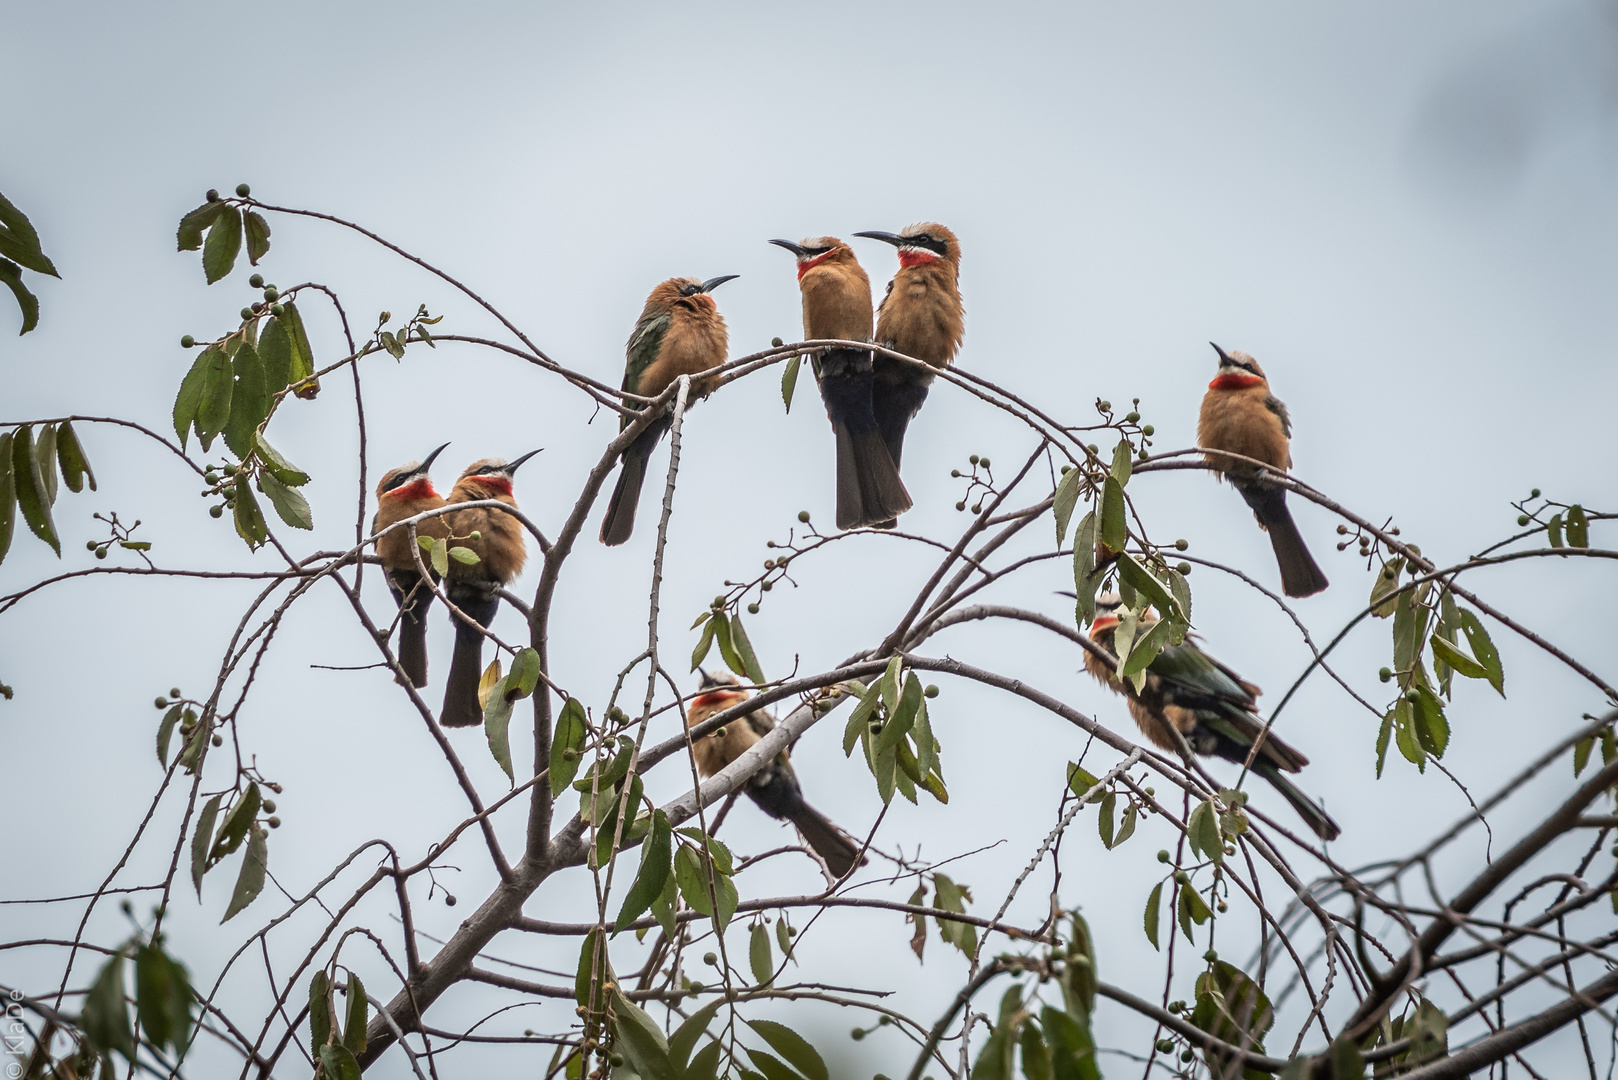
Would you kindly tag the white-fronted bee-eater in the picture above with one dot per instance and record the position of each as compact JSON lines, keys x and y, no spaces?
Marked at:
{"x":837,"y":304}
{"x":921,"y":316}
{"x":475,"y":587}
{"x":403,"y":493}
{"x":680,"y":332}
{"x":1213,"y":708}
{"x":774,"y":787}
{"x":1241,"y":416}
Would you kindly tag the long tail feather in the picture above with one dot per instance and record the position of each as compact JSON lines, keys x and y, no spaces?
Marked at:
{"x":619,"y":522}
{"x":869,"y":491}
{"x":1316,"y":818}
{"x":829,"y":842}
{"x":414,"y":599}
{"x":1300,"y":575}
{"x":466,"y":665}
{"x":896,"y":398}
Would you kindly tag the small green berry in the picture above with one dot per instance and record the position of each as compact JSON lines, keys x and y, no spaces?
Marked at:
{"x":1523,"y":519}
{"x":1165,"y":1046}
{"x":776,"y":343}
{"x":717,"y":602}
{"x":984,"y":462}
{"x":1183,"y":567}
{"x":973,"y":459}
{"x":857,"y":1034}
{"x":161,"y":703}
{"x":187,"y":341}
{"x":766,"y":586}
{"x":711,"y":959}
{"x":175,"y":692}
{"x":961,"y":505}
{"x":449,"y":900}
{"x":955,"y":474}
{"x":1182,"y":877}
{"x":697,"y":988}
{"x":273,"y":822}
{"x":1181,"y":545}
{"x":1148,"y":430}
{"x":212,"y":195}
{"x":219,"y":740}
{"x":1163,"y":855}
{"x":884,"y":1020}
{"x":1187,"y":1055}
{"x":89,"y":545}
{"x":1223,"y":907}
{"x":1211,"y":955}
{"x":752,"y":609}
{"x":216,"y":511}
{"x":101,"y":553}
{"x":803,"y":516}
{"x":1534,"y":494}
{"x":977,"y":508}
{"x":269,"y":806}
{"x":1131,"y":417}
{"x":1412,"y":695}
{"x":1104,"y":406}
{"x":256,"y":281}
{"x":1176,"y":1006}
{"x":719,"y":732}
{"x":242,"y":190}
{"x":278,"y":310}
{"x":1385,"y":674}
{"x":247,"y":313}
{"x":271,"y":292}
{"x":931,"y":690}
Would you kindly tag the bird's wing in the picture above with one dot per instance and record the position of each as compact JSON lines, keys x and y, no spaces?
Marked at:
{"x":1242,"y":729}
{"x":1279,"y":408}
{"x":885,"y":294}
{"x":644,"y":345}
{"x":1193,"y":673}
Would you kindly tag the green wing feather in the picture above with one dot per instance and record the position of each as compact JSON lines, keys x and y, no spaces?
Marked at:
{"x":1188,"y":666}
{"x":1278,"y":407}
{"x":644,"y":345}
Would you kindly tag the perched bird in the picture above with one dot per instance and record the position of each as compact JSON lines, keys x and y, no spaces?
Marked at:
{"x":1240,"y":415}
{"x":775,"y":787}
{"x":402,"y":493}
{"x":920,"y":316}
{"x":680,"y":332}
{"x":837,"y":304}
{"x":475,"y":587}
{"x":1209,"y":704}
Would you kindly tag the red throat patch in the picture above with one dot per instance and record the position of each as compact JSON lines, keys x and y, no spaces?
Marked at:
{"x":909,"y":257}
{"x":421,"y":488}
{"x":494,"y":485}
{"x":810,"y":264}
{"x":1234,"y":380}
{"x":714,"y":697}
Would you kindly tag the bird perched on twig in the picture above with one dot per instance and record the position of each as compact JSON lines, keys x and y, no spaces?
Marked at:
{"x":921,"y":316}
{"x":837,"y":304}
{"x":1241,"y":416}
{"x":774,"y":787}
{"x":475,"y":587}
{"x":680,"y":332}
{"x":1211,"y":706}
{"x":403,"y":493}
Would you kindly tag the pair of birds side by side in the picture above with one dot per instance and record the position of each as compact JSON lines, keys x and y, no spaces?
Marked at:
{"x":870,"y":400}
{"x":494,"y":536}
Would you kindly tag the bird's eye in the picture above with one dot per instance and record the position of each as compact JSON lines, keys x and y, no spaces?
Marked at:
{"x":690,"y":290}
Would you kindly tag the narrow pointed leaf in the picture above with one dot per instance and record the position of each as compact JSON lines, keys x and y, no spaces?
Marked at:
{"x":793,"y":1047}
{"x":789,"y":379}
{"x":686,"y":1035}
{"x":45,"y":456}
{"x":258,"y":242}
{"x":249,"y":400}
{"x":224,"y":242}
{"x":201,"y":840}
{"x":236,"y":824}
{"x":250,"y":525}
{"x":319,"y":1011}
{"x":213,"y":404}
{"x":278,"y":466}
{"x":569,"y":736}
{"x":27,"y":302}
{"x":105,"y":1015}
{"x":165,"y":731}
{"x":744,"y":650}
{"x":250,"y":881}
{"x":1123,"y":461}
{"x":337,"y":1062}
{"x":1153,"y":903}
{"x":290,"y":505}
{"x":700,"y":653}
{"x":302,"y":364}
{"x":70,"y":455}
{"x":638,"y":1038}
{"x":30,"y":488}
{"x":656,"y":863}
{"x":354,"y":1026}
{"x":19,"y":240}
{"x":1114,"y":526}
{"x":1483,"y":648}
{"x":189,"y":398}
{"x":1067,"y":496}
{"x":760,"y":957}
{"x":8,"y":496}
{"x":189,"y":237}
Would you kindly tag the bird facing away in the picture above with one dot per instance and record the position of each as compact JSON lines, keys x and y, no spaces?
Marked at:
{"x":1209,"y":704}
{"x":475,"y":588}
{"x":774,"y":787}
{"x":837,"y":304}
{"x":1240,"y":415}
{"x":680,"y":332}
{"x":921,"y":316}
{"x":403,"y":493}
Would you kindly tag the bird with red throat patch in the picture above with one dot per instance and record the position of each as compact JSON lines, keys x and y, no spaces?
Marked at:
{"x":403,"y":493}
{"x":1241,"y":416}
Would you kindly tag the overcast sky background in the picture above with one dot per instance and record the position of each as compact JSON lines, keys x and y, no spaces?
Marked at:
{"x":1406,"y":213}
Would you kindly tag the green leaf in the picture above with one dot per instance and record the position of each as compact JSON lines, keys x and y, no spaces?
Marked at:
{"x":213,"y":405}
{"x":524,"y":675}
{"x":859,"y":719}
{"x":249,"y":401}
{"x":45,"y":452}
{"x":898,"y":724}
{"x":464,"y":555}
{"x":8,"y":496}
{"x":27,"y":302}
{"x":994,"y":1060}
{"x":320,"y":1011}
{"x":1126,"y":828}
{"x":640,"y":1040}
{"x":759,"y":956}
{"x":1483,"y":648}
{"x":1432,"y":727}
{"x":278,"y":466}
{"x":1553,"y":530}
{"x":1086,"y":581}
{"x":1079,"y":986}
{"x":656,"y":863}
{"x":793,"y":1047}
{"x":1383,"y":735}
{"x":686,"y":1035}
{"x":275,"y":348}
{"x":789,"y":379}
{"x":1405,"y":737}
{"x":1459,"y":661}
{"x":1142,"y":581}
{"x":1036,"y":1056}
{"x":249,"y":518}
{"x":338,"y":1063}
{"x":663,"y":906}
{"x":438,"y":555}
{"x":1073,"y":1055}
{"x":783,"y":929}
{"x":105,"y":1016}
{"x":1109,"y":802}
{"x":926,"y":743}
{"x":165,"y":731}
{"x":301,"y":364}
{"x":71,"y":457}
{"x":354,"y":1026}
{"x":223,"y":244}
{"x":700,"y":653}
{"x":1581,"y":754}
{"x":770,"y":1067}
{"x":1123,"y":460}
{"x":1145,"y":648}
{"x":1153,"y":904}
{"x":615,"y":771}
{"x":289,"y":503}
{"x":727,"y":646}
{"x":391,"y":344}
{"x":189,"y":237}
{"x":1114,"y":528}
{"x":593,"y":970}
{"x":692,"y":879}
{"x":1383,"y":588}
{"x":948,"y":896}
{"x":497,"y":724}
{"x":1578,"y":527}
{"x":189,"y":398}
{"x":250,"y":880}
{"x":258,"y":243}
{"x":30,"y":487}
{"x":1192,"y":909}
{"x":234,"y":828}
{"x":570,"y":734}
{"x":744,"y":650}
{"x":1065,"y":499}
{"x":19,"y":241}
{"x":1203,"y":833}
{"x":1428,"y":1030}
{"x":705,"y":1065}
{"x":162,"y":997}
{"x":200,"y":840}
{"x":1231,"y":1007}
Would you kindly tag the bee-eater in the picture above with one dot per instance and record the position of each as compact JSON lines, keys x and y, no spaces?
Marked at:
{"x":775,"y":787}
{"x":680,"y":332}
{"x":837,"y":304}
{"x":475,"y":588}
{"x":402,"y":493}
{"x":921,"y":316}
{"x":1240,"y":415}
{"x":1210,"y":705}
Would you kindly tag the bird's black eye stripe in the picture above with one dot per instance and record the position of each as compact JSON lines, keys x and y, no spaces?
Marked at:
{"x":928,"y":241}
{"x":400,"y":480}
{"x":690,"y":290}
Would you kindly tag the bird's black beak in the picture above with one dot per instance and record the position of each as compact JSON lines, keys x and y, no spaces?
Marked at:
{"x":797,"y":249}
{"x":707,"y":679}
{"x":427,"y":463}
{"x":714,"y":282}
{"x":886,"y":237}
{"x":512,"y":467}
{"x":1223,"y":358}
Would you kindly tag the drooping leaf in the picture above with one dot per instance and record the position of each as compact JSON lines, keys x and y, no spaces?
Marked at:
{"x":1384,"y":587}
{"x":290,"y":505}
{"x":163,"y":997}
{"x":354,"y":1026}
{"x":744,"y":651}
{"x":19,"y":240}
{"x":223,"y":244}
{"x":497,"y":726}
{"x":1073,"y":1054}
{"x":165,"y":731}
{"x":1483,"y":648}
{"x":438,"y":555}
{"x":1086,"y":579}
{"x":250,"y":525}
{"x":1461,"y":663}
{"x":1432,"y":727}
{"x":1104,"y":822}
{"x":593,"y":970}
{"x":700,"y":653}
{"x":1114,"y":526}
{"x":686,"y":1035}
{"x":8,"y":496}
{"x":1578,"y":527}
{"x":278,"y":466}
{"x":27,"y":302}
{"x":1123,"y":461}
{"x":301,"y":364}
{"x":213,"y":404}
{"x":189,"y":237}
{"x":1065,"y":499}
{"x":656,"y":863}
{"x":1553,"y":530}
{"x":45,"y":452}
{"x":994,"y":1060}
{"x":250,"y":880}
{"x":29,"y":487}
{"x":236,"y":824}
{"x":249,"y":401}
{"x":793,"y":1047}
{"x":904,"y":717}
{"x":760,"y":958}
{"x":1153,"y":903}
{"x":75,"y":464}
{"x":338,"y":1063}
{"x":201,"y":840}
{"x":275,"y":349}
{"x":640,"y":1040}
{"x":705,"y":1062}
{"x":1036,"y":1056}
{"x":789,"y":379}
{"x":105,"y":1016}
{"x":727,"y":647}
{"x":258,"y":241}
{"x":1202,"y":831}
{"x":569,"y":737}
{"x":189,"y":398}
{"x":859,"y":719}
{"x":320,"y":1011}
{"x":1231,"y":1007}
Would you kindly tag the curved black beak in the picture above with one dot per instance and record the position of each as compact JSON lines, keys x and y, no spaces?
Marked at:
{"x":714,"y":282}
{"x":886,"y":237}
{"x":427,"y":462}
{"x":707,"y":679}
{"x":1223,"y":358}
{"x":512,"y":466}
{"x":797,"y":249}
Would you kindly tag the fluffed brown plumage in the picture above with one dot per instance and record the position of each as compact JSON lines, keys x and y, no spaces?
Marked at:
{"x":403,"y":493}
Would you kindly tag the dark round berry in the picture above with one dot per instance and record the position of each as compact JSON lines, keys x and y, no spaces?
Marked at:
{"x":243,"y":190}
{"x":247,"y":313}
{"x":216,"y":511}
{"x":278,"y":310}
{"x":101,"y":553}
{"x":187,"y":341}
{"x":803,"y":516}
{"x":161,"y":703}
{"x":775,"y":343}
{"x":256,"y":281}
{"x":213,"y":195}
